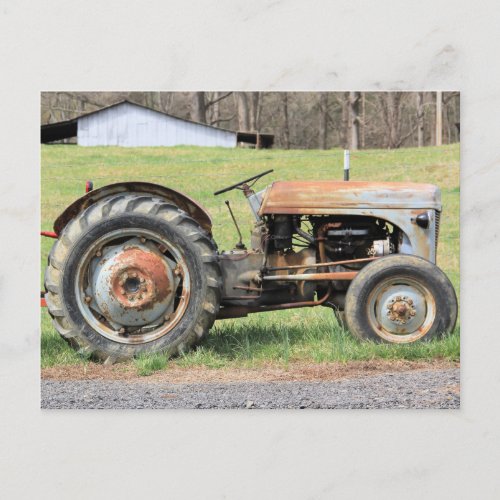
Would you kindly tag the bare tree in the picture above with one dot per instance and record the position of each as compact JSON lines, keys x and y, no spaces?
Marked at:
{"x":297,"y":119}
{"x":243,"y":111}
{"x":391,"y":106}
{"x":322,"y":120}
{"x":286,"y":127}
{"x":198,"y":107}
{"x":420,"y":119}
{"x":439,"y":118}
{"x":254,"y":100}
{"x":213,"y":103}
{"x":354,"y":99}
{"x":363,"y":120}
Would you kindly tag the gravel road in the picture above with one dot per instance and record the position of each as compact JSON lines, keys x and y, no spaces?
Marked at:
{"x":416,"y":389}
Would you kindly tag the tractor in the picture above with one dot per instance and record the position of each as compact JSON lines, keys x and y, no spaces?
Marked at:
{"x":135,"y":269}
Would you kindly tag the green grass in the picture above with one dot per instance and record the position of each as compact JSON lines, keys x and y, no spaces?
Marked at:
{"x":150,"y":363}
{"x":310,"y":335}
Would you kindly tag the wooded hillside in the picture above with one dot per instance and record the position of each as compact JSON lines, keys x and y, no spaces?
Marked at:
{"x":299,"y":120}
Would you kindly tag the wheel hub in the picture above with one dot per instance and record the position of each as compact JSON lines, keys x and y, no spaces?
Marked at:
{"x":401,"y":310}
{"x":133,"y":284}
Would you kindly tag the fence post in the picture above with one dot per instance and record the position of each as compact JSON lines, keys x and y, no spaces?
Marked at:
{"x":347,"y":158}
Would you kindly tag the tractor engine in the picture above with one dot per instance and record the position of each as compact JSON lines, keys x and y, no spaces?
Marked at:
{"x":354,"y":238}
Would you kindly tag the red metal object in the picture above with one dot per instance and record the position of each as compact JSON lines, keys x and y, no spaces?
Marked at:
{"x":49,"y":234}
{"x":89,"y":186}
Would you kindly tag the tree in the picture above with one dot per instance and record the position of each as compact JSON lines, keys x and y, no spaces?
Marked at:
{"x":439,"y":118}
{"x":286,"y":128}
{"x":198,"y":109}
{"x":392,"y":111}
{"x":354,"y":100}
{"x":243,"y":111}
{"x":420,"y":119}
{"x":322,"y":120}
{"x":297,"y":119}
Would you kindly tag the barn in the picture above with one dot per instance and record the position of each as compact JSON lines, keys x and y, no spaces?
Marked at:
{"x":133,"y":125}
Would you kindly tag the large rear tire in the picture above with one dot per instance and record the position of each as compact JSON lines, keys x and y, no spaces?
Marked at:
{"x":132,"y":274}
{"x":400,"y":299}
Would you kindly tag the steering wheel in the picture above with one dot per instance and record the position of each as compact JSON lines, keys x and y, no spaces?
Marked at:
{"x":238,"y":184}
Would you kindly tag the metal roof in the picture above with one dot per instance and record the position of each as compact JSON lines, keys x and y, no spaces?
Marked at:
{"x":68,"y":128}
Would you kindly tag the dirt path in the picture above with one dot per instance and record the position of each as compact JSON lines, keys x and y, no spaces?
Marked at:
{"x":373,"y":384}
{"x":295,"y":371}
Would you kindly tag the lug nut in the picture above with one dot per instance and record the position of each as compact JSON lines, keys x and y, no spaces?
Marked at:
{"x":142,"y":280}
{"x":98,"y":253}
{"x":143,"y":240}
{"x":122,"y":291}
{"x":88,"y":299}
{"x":121,"y":330}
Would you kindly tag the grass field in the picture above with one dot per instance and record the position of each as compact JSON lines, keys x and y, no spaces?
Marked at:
{"x":306,"y":335}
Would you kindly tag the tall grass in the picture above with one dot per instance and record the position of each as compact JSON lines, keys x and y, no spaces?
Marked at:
{"x":310,"y":335}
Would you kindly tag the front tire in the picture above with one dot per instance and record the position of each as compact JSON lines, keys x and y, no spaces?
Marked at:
{"x":400,"y":299}
{"x":132,"y":274}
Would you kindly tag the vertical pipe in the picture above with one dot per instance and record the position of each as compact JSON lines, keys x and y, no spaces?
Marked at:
{"x":346,"y":164}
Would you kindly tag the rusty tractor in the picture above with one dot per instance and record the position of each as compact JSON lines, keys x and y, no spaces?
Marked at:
{"x":135,"y":269}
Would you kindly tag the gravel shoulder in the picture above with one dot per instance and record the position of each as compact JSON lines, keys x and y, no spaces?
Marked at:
{"x":436,"y":387}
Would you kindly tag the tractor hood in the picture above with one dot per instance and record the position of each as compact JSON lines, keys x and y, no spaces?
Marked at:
{"x":318,"y":197}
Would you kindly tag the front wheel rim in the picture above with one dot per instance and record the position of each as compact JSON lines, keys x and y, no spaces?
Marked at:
{"x":132,"y":285}
{"x":401,"y":310}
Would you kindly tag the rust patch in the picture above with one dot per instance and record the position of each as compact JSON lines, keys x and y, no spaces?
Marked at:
{"x":313,"y":197}
{"x":191,"y":207}
{"x":139,"y":279}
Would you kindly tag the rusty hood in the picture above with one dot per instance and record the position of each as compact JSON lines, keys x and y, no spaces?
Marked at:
{"x":314,"y":197}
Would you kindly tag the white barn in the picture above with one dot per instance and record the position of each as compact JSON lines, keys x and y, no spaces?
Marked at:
{"x":132,"y":125}
{"x":128,"y":124}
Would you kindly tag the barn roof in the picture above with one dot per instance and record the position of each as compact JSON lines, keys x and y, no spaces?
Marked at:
{"x":68,"y":128}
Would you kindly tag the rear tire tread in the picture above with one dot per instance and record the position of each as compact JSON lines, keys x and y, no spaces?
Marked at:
{"x":143,"y":205}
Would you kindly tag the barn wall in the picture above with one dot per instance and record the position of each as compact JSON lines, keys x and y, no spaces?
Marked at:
{"x":131,"y":126}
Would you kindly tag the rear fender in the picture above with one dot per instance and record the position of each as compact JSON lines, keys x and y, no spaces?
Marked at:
{"x":191,"y":207}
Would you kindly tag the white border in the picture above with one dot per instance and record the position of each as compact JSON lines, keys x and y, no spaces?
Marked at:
{"x":280,"y":45}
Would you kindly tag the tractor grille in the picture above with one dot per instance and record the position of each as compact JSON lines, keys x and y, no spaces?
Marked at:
{"x":436,"y":226}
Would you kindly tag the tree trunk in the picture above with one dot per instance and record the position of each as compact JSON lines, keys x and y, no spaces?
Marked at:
{"x":286,"y":128}
{"x":391,"y":111}
{"x":323,"y":120}
{"x":215,"y":109}
{"x":198,"y":110}
{"x":344,"y":128}
{"x":255,"y":111}
{"x":354,"y":98}
{"x":420,"y":119}
{"x":363,"y":120}
{"x":439,"y":118}
{"x":243,"y":111}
